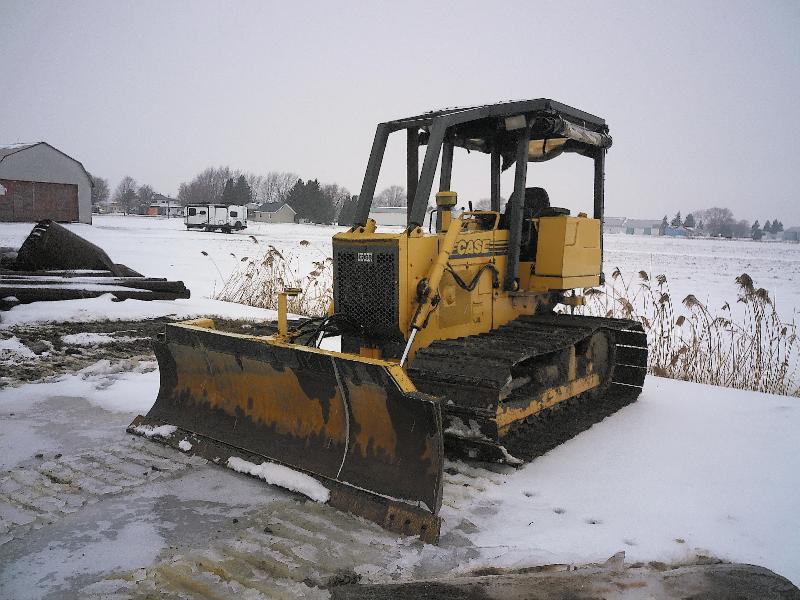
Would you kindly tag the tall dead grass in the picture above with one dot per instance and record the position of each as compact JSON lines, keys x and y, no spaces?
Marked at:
{"x":257,"y":281}
{"x":748,"y":348}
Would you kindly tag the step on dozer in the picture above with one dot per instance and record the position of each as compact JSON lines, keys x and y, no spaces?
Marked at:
{"x":449,"y":339}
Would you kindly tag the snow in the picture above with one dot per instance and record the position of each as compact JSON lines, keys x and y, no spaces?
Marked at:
{"x":686,"y":470}
{"x":164,"y":248}
{"x":283,"y":477}
{"x":714,"y":467}
{"x":86,"y":338}
{"x":707,"y":268}
{"x":162,"y":431}
{"x":106,"y":307}
{"x":469,"y":432}
{"x":125,"y":386}
{"x":13,"y":346}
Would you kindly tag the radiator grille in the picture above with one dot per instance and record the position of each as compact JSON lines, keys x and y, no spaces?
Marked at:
{"x":365,"y":284}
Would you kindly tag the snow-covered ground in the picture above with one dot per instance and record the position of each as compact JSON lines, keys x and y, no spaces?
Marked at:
{"x":87,"y":511}
{"x":686,"y":471}
{"x":163,"y":248}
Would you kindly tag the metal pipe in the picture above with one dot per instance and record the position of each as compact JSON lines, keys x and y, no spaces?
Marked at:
{"x":599,"y":192}
{"x":407,"y":349}
{"x":515,"y":214}
{"x":495,"y":178}
{"x":418,"y":210}
{"x":446,"y":172}
{"x":283,"y":327}
{"x":412,"y":166}
{"x":371,"y":175}
{"x":283,"y":309}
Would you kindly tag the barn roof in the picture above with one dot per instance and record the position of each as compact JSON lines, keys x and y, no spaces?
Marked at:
{"x":9,"y":149}
{"x":272,"y":207}
{"x":12,"y":148}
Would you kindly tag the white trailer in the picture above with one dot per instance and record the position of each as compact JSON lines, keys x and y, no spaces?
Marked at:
{"x":212,"y":217}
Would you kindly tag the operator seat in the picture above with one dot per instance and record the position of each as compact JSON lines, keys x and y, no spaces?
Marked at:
{"x":536,"y":204}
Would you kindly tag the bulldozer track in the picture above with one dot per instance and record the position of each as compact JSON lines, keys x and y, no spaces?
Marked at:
{"x":39,"y":494}
{"x":288,"y":550}
{"x":476,"y":373}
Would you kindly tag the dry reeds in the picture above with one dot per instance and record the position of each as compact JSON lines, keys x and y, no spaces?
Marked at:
{"x":752,"y":350}
{"x":257,"y":281}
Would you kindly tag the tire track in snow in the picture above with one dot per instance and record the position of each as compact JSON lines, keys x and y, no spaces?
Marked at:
{"x":33,"y":496}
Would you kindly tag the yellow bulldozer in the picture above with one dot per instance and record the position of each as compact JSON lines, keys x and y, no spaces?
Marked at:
{"x":450,"y":343}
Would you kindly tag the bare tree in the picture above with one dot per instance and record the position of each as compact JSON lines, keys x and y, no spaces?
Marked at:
{"x":100,"y":190}
{"x":125,"y":194}
{"x":337,"y":196}
{"x":394,"y":195}
{"x":206,"y":187}
{"x":274,"y":186}
{"x":717,"y":221}
{"x":146,"y":195}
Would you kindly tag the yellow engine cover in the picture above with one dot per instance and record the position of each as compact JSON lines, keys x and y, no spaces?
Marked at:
{"x":567,"y":254}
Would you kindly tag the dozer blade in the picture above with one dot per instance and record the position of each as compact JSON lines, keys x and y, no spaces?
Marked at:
{"x":356,"y":424}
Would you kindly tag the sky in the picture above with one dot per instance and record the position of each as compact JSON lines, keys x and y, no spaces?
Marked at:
{"x":700,"y":96}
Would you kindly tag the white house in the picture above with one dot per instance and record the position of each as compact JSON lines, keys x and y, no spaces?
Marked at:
{"x":642,"y":226}
{"x":38,"y":181}
{"x":614,"y":224}
{"x":165,"y":206}
{"x":273,"y":212}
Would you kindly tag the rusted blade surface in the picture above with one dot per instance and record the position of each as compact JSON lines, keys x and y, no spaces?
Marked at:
{"x":354,"y":421}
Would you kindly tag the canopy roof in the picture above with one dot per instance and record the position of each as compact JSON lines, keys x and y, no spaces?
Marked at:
{"x":555,"y":128}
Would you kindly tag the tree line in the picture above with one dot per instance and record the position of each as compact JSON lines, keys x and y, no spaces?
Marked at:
{"x":720,"y":222}
{"x":311,"y":200}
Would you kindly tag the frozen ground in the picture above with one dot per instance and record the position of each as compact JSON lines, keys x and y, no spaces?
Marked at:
{"x":87,"y":511}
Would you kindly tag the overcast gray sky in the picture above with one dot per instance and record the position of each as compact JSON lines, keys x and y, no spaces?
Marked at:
{"x":701,"y":97}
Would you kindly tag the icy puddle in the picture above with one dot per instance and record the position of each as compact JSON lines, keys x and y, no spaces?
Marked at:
{"x":88,"y":511}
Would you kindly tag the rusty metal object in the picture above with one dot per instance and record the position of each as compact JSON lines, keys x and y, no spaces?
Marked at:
{"x":56,"y":264}
{"x":354,"y":423}
{"x":29,"y":287}
{"x":53,"y":246}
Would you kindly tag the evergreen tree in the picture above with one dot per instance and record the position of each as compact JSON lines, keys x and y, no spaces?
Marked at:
{"x":689,"y":221}
{"x":777,"y":226}
{"x":663,"y":227}
{"x":228,"y":193}
{"x":767,"y":226}
{"x":677,"y":221}
{"x":755,"y":231}
{"x":241,"y":191}
{"x":348,"y":212}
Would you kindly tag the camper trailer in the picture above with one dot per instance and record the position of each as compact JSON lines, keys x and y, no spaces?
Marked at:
{"x":212,"y":217}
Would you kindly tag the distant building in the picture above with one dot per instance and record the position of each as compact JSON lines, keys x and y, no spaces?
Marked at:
{"x":642,"y":226}
{"x":389,"y":215}
{"x":164,"y":206}
{"x":274,"y":212}
{"x":791,"y":235}
{"x":38,"y":181}
{"x":614,"y":224}
{"x":677,"y":231}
